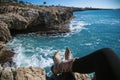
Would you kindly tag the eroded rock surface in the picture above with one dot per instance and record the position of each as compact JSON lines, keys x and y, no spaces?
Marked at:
{"x":4,"y":32}
{"x":79,"y":76}
{"x":42,"y":20}
{"x":30,"y":73}
{"x":36,"y":19}
{"x":70,"y":76}
{"x":22,"y":73}
{"x":5,"y":54}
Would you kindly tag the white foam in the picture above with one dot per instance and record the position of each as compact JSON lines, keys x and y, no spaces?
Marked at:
{"x":38,"y":57}
{"x":77,"y":26}
{"x":35,"y":60}
{"x":88,"y":44}
{"x":107,"y":21}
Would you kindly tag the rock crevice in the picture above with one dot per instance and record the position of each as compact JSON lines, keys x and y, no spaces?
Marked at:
{"x":42,"y":20}
{"x":22,"y":73}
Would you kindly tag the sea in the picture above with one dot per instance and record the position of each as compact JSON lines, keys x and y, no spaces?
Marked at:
{"x":90,"y":30}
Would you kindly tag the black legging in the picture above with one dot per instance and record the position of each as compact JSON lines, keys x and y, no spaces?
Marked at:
{"x":105,"y":63}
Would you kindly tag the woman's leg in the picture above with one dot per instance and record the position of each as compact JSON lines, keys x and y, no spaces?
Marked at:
{"x":104,"y":63}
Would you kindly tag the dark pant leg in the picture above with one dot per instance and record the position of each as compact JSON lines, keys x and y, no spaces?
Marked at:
{"x":104,"y":63}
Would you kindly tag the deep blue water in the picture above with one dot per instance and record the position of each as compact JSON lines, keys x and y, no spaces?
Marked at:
{"x":90,"y":31}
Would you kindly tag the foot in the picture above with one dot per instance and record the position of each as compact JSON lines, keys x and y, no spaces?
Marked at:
{"x":68,"y":54}
{"x":64,"y":66}
{"x":56,"y":57}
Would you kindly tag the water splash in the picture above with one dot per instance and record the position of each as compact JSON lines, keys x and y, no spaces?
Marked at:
{"x":87,"y":35}
{"x":77,"y":26}
{"x":32,"y":56}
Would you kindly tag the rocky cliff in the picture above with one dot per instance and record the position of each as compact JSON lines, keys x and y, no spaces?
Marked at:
{"x":22,"y":73}
{"x":5,"y":54}
{"x":8,"y":71}
{"x":30,"y":73}
{"x":4,"y":32}
{"x":24,"y":19}
{"x":37,"y":19}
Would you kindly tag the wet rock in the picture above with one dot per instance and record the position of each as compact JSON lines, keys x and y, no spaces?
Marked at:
{"x":5,"y":54}
{"x":4,"y":32}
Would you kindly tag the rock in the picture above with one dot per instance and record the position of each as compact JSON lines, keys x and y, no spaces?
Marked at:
{"x":35,"y":73}
{"x":5,"y":54}
{"x":22,"y":73}
{"x":2,"y":46}
{"x":14,"y":21}
{"x":7,"y":74}
{"x":30,"y":73}
{"x":70,"y":76}
{"x":1,"y":68}
{"x":79,"y":76}
{"x":4,"y":32}
{"x":48,"y":20}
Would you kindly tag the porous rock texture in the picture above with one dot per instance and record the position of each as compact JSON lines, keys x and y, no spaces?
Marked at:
{"x":4,"y":32}
{"x":22,"y":73}
{"x":48,"y":20}
{"x":5,"y":54}
{"x":41,"y":20}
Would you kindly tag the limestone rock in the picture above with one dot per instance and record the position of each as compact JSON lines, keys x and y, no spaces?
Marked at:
{"x":7,"y":74}
{"x":70,"y":76}
{"x":5,"y":54}
{"x":4,"y":32}
{"x":30,"y":73}
{"x":52,"y":20}
{"x":14,"y":21}
{"x":22,"y":73}
{"x":35,"y":73}
{"x":1,"y":68}
{"x":2,"y":46}
{"x":42,"y":20}
{"x":79,"y":76}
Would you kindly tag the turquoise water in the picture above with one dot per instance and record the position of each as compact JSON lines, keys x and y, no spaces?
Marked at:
{"x":90,"y":31}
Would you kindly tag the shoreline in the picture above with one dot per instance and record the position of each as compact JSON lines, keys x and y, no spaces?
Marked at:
{"x":22,"y":19}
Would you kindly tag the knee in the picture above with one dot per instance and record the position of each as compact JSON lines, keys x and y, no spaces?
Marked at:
{"x":107,"y":52}
{"x":106,"y":49}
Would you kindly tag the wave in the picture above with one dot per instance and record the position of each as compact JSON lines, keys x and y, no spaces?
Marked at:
{"x":75,"y":27}
{"x":30,"y":53}
{"x":32,"y":56}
